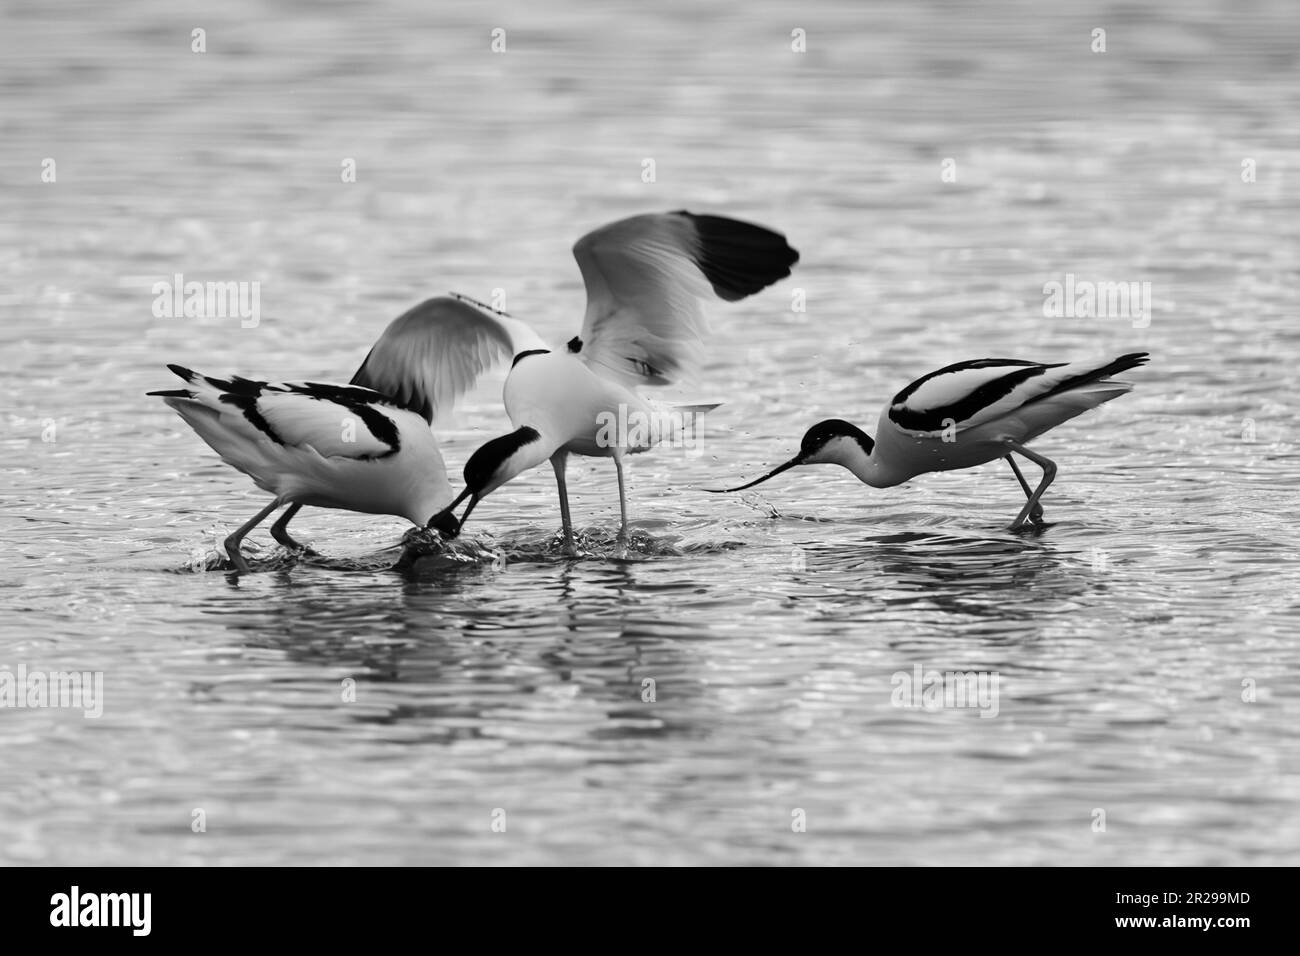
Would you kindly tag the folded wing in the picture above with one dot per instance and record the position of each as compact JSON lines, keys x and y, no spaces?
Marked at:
{"x":337,"y":421}
{"x":968,"y":394}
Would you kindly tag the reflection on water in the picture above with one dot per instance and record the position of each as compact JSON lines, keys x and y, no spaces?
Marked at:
{"x":379,"y":699}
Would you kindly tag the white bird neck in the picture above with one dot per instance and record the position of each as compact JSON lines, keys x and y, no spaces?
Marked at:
{"x":867,"y":467}
{"x":846,"y":452}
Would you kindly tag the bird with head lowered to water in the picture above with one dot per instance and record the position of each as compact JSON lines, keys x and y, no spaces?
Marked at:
{"x":367,"y":446}
{"x":965,"y":415}
{"x":645,"y":277}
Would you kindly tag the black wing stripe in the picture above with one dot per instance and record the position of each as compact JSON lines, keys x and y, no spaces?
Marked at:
{"x":936,"y":419}
{"x":381,"y":426}
{"x":360,"y":402}
{"x":244,"y":394}
{"x":248,"y":405}
{"x":739,"y":258}
{"x":235,"y":385}
{"x":929,"y":420}
{"x":962,"y":367}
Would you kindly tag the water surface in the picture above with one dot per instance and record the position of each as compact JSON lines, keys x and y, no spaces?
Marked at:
{"x":508,"y":678}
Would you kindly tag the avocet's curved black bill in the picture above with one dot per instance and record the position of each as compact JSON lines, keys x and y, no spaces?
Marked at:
{"x":796,"y":460}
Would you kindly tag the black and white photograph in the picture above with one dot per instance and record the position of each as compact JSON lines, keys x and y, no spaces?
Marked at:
{"x":568,"y":434}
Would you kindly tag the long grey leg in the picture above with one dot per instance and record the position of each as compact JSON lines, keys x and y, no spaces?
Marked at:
{"x":1037,"y":514}
{"x":622,"y":500}
{"x":558,"y":461}
{"x":1049,"y":473}
{"x":232,"y":543}
{"x":280,"y":530}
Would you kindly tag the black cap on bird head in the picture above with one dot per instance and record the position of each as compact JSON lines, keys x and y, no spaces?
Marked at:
{"x":483,"y":471}
{"x":814,"y":442}
{"x":483,"y":474}
{"x":816,"y":438}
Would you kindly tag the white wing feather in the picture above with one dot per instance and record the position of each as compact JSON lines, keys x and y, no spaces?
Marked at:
{"x":228,"y":413}
{"x":645,"y":277}
{"x":333,"y":429}
{"x":643,"y":323}
{"x":431,"y":355}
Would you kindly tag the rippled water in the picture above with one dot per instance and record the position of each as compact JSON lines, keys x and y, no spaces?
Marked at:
{"x":504,"y":677}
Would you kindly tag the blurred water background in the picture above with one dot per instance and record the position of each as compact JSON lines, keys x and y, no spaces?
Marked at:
{"x":1144,"y":645}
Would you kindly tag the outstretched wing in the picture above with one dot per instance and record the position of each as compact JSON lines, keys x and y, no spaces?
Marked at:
{"x":967,"y":394}
{"x":432,"y":354}
{"x":645,"y":277}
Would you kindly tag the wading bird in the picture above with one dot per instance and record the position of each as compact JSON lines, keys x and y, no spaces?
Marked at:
{"x":367,"y":446}
{"x":966,"y":415}
{"x":332,"y":446}
{"x":643,"y":326}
